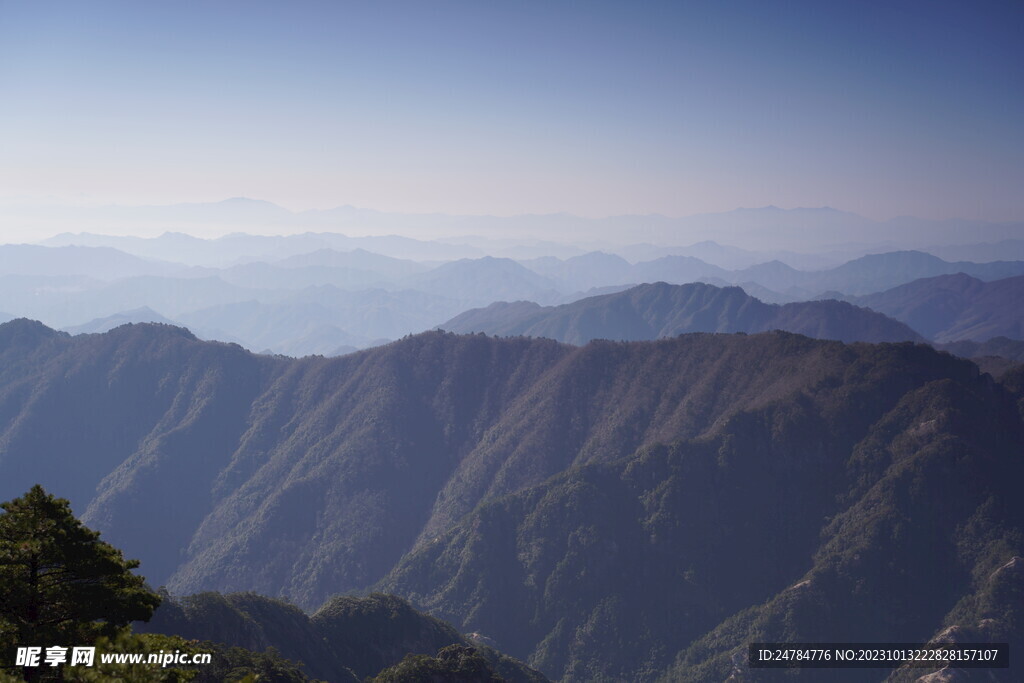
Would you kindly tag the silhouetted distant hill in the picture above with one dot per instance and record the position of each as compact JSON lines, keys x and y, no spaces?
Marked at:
{"x":260,"y":275}
{"x":860,"y":276}
{"x":292,"y":327}
{"x":955,"y":307}
{"x":593,"y":269}
{"x":881,"y":271}
{"x":766,"y":228}
{"x":102,"y":263}
{"x":484,"y":280}
{"x":139,"y":315}
{"x":326,"y":316}
{"x":1010,"y":349}
{"x":238,"y":248}
{"x":1003,"y":250}
{"x":69,"y":301}
{"x":675,"y":270}
{"x":660,"y":310}
{"x":708,"y":251}
{"x":597,"y":269}
{"x":871,"y":273}
{"x":361,"y":259}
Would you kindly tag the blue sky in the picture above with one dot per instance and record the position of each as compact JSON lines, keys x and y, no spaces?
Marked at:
{"x":591,"y":108}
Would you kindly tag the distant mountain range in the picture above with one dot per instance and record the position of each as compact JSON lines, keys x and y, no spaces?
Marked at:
{"x":241,"y":248}
{"x":100,"y":325}
{"x":1003,"y":250}
{"x":101,"y":263}
{"x":765,"y":229}
{"x":870,"y":273}
{"x":329,"y":321}
{"x":954,"y":307}
{"x":621,"y":510}
{"x":661,"y":310}
{"x":1002,"y":347}
{"x":485,"y":280}
{"x":321,"y":293}
{"x":319,"y":319}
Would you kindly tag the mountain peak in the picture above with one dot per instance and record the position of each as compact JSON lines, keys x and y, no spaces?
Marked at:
{"x":657,"y":310}
{"x":22,"y":333}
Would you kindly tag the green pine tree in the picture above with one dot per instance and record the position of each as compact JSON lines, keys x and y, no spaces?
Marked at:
{"x":59,"y":583}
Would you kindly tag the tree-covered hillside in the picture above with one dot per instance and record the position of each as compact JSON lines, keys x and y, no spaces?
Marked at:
{"x":66,"y":588}
{"x":655,"y":311}
{"x":866,"y":510}
{"x":618,"y":510}
{"x":347,"y":640}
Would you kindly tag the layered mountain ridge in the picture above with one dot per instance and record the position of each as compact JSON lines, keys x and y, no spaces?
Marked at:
{"x":654,"y":311}
{"x":956,"y":307}
{"x":326,"y":293}
{"x":621,"y":510}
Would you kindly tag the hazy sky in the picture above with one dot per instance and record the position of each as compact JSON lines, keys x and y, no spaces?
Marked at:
{"x":504,"y":107}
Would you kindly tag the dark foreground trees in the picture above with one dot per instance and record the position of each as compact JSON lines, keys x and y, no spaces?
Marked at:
{"x":453,"y":664}
{"x":59,"y":583}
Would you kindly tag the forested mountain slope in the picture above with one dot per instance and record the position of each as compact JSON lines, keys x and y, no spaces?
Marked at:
{"x":614,"y":510}
{"x":877,"y":507}
{"x":653,"y":311}
{"x":346,"y":640}
{"x":955,"y":307}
